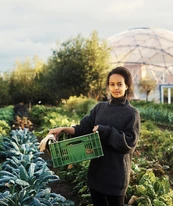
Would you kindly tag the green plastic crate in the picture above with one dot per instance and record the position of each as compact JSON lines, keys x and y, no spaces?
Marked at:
{"x":76,"y":149}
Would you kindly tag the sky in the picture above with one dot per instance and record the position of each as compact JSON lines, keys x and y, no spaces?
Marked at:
{"x":31,"y":28}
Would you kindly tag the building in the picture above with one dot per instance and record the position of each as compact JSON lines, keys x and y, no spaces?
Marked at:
{"x":148,"y":53}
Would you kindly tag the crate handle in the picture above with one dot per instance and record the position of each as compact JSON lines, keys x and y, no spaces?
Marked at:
{"x":74,"y":143}
{"x":52,"y":141}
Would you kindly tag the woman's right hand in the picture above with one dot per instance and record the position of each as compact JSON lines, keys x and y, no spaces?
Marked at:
{"x":56,"y":131}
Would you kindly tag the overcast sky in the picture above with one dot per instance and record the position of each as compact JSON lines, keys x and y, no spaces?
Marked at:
{"x":32,"y":27}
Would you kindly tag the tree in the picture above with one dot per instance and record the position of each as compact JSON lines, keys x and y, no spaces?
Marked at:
{"x":147,"y":85}
{"x":97,"y":59}
{"x":5,"y":97}
{"x":23,"y":87}
{"x":78,"y":67}
{"x":66,"y":69}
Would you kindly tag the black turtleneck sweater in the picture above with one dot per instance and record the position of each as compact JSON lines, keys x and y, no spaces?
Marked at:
{"x":119,"y":128}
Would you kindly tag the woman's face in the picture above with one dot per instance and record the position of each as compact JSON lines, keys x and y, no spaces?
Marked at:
{"x":117,"y":86}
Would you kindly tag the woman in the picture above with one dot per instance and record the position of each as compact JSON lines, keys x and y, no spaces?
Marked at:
{"x":118,"y":124}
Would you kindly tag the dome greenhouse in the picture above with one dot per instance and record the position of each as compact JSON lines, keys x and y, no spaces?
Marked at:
{"x":147,"y":53}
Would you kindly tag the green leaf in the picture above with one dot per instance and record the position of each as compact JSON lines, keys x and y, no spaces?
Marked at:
{"x":15,"y":146}
{"x":83,"y":189}
{"x":22,"y":182}
{"x":31,"y":170}
{"x":23,"y":173}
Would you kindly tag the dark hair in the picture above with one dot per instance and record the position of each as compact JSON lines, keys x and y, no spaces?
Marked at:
{"x":127,"y":78}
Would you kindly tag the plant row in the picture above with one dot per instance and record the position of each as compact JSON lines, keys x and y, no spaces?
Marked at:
{"x":151,"y":178}
{"x":24,"y":176}
{"x":158,"y":113}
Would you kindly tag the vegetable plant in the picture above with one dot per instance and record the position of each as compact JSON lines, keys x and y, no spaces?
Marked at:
{"x":25,"y":175}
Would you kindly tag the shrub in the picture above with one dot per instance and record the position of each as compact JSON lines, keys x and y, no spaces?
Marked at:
{"x":80,"y":105}
{"x":7,"y":114}
{"x":37,"y":113}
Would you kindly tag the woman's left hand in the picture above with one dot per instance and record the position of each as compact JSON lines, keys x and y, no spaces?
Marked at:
{"x":95,"y":128}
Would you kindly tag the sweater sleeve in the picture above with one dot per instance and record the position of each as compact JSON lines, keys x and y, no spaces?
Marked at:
{"x":121,"y":141}
{"x":86,"y":124}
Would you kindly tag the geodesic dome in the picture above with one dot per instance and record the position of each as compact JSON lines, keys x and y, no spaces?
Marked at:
{"x":146,"y":52}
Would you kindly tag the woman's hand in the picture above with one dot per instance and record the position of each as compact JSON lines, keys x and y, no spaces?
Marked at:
{"x":56,"y":131}
{"x":95,"y":128}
